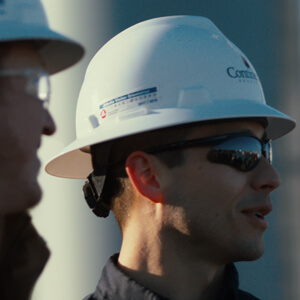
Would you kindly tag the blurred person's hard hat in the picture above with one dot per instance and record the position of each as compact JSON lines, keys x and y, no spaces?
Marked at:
{"x":25,"y":20}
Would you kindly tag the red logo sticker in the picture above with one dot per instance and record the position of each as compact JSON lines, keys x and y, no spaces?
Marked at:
{"x":103,"y":113}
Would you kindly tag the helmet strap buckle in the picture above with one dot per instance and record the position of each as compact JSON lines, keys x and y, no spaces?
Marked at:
{"x":92,"y":191}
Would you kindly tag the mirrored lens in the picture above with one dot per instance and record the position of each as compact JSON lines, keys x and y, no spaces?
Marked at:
{"x":268,"y":152}
{"x":242,"y":153}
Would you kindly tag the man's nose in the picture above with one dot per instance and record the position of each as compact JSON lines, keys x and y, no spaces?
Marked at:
{"x":265,"y":177}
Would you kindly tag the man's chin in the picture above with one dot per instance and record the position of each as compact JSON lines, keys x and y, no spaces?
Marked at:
{"x":254,"y":257}
{"x":253,"y":253}
{"x":20,"y":199}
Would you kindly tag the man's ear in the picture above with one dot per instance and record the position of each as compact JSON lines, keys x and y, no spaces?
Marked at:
{"x":142,"y":169}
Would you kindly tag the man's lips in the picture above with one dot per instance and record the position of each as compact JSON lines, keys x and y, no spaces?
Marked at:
{"x":256,"y":215}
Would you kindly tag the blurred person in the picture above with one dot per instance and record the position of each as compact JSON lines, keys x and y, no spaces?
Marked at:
{"x":29,"y":53}
{"x":175,"y":137}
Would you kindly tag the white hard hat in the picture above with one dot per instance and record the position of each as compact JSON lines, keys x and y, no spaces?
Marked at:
{"x":160,"y":73}
{"x":22,"y":20}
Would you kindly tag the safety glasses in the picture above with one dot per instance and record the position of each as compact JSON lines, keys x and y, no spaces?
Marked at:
{"x":239,"y":150}
{"x":37,"y":84}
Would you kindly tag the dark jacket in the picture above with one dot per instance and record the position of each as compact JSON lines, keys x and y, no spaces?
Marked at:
{"x":115,"y":285}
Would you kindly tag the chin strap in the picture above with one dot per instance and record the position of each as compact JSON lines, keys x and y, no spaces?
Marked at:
{"x":92,"y":190}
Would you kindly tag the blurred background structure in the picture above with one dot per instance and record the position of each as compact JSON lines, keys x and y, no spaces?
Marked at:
{"x":268,"y":32}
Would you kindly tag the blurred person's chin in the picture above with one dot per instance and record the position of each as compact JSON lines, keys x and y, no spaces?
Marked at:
{"x":19,"y":196}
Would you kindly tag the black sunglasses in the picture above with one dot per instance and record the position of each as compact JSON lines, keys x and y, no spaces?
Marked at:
{"x":239,"y":150}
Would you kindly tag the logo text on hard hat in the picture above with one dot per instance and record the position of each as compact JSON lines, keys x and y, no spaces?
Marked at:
{"x":241,"y":74}
{"x":132,"y":100}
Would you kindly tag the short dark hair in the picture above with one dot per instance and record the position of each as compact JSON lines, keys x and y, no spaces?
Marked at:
{"x":116,"y":190}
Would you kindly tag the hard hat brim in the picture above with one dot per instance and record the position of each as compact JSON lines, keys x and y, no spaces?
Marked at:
{"x":58,"y":53}
{"x":74,"y":163}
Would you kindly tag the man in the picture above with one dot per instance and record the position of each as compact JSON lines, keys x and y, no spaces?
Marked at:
{"x":173,"y":128}
{"x":29,"y":52}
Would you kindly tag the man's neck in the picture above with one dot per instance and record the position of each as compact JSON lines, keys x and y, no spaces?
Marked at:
{"x":169,"y":272}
